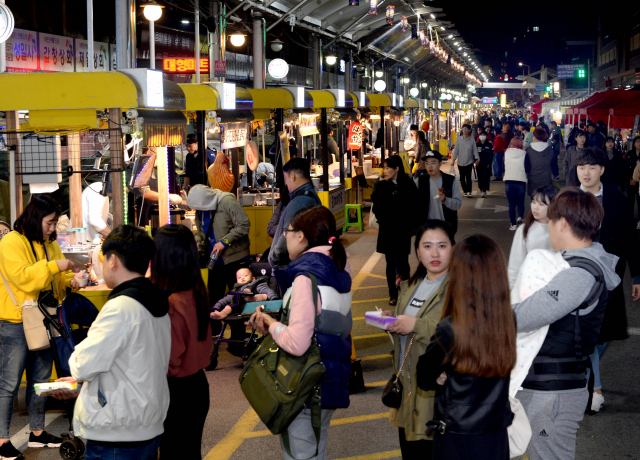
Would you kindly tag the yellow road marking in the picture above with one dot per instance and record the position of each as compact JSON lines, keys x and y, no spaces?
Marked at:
{"x":368,"y":287}
{"x":234,"y":438}
{"x":369,"y":300}
{"x":336,"y":422}
{"x":381,"y":383}
{"x":371,"y":336}
{"x":358,"y":318}
{"x":369,"y":358}
{"x":382,"y":277}
{"x":376,"y":456}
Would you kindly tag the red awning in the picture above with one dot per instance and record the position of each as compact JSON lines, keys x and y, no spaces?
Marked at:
{"x":623,"y":115}
{"x":600,"y":109}
{"x":537,"y":107}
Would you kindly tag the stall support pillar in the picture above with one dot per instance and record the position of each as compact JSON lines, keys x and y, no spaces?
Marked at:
{"x":75,"y":180}
{"x":258,"y":52}
{"x":125,"y":34}
{"x":117,"y":162}
{"x":201,"y":136}
{"x":89,"y":35}
{"x":235,"y":169}
{"x":348,"y":85}
{"x":341,"y":149}
{"x":317,"y":62}
{"x":383,"y":150}
{"x":324,"y":149}
{"x":13,"y":123}
{"x":279,"y":124}
{"x":197,"y":40}
{"x":214,"y":42}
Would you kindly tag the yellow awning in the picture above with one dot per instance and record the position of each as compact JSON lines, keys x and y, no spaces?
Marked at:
{"x":431,"y":104}
{"x":261,"y":114}
{"x":272,"y":98}
{"x":409,"y":103}
{"x":379,"y":100}
{"x":323,"y":99}
{"x":446,"y":106}
{"x":58,"y":91}
{"x":200,"y":97}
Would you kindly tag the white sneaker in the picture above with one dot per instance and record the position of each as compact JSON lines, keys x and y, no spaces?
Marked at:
{"x":484,"y":194}
{"x":597,"y":402}
{"x":519,"y":221}
{"x":638,"y":226}
{"x":513,"y":228}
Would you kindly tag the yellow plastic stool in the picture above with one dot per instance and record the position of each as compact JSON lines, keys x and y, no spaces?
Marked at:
{"x":358,"y":223}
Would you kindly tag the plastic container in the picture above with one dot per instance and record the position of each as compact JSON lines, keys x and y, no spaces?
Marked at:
{"x":97,"y":239}
{"x":375,"y":318}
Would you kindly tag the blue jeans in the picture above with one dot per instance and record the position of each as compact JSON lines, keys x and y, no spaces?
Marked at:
{"x":15,"y":357}
{"x":516,"y":190}
{"x":148,"y":452}
{"x":595,"y":364}
{"x":498,"y":164}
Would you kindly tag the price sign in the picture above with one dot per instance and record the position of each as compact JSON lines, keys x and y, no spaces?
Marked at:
{"x":220,"y":69}
{"x":22,"y":51}
{"x":355,"y":136}
{"x":56,"y":53}
{"x":234,"y":135}
{"x":308,"y":125}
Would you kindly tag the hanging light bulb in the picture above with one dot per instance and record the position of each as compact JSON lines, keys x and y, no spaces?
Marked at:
{"x":404,"y":23}
{"x":373,"y":6}
{"x":390,"y":12}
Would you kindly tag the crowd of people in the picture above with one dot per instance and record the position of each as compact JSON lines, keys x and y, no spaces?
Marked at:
{"x":460,"y":318}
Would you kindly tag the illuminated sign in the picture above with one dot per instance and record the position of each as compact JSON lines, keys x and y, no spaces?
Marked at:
{"x":6,"y":23}
{"x":227,"y":94}
{"x":155,"y":90}
{"x":343,"y":67}
{"x":308,"y":125}
{"x":489,"y":100}
{"x":355,"y":136}
{"x":233,"y":135}
{"x":184,"y":65}
{"x":278,"y":68}
{"x":503,"y":100}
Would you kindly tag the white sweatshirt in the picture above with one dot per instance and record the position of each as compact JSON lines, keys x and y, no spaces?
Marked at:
{"x":95,"y":210}
{"x":537,"y":238}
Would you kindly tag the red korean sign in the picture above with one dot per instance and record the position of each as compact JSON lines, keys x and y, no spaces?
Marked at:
{"x":184,"y":65}
{"x":355,"y":136}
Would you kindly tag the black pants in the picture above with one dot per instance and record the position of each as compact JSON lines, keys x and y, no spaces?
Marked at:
{"x":220,"y":279}
{"x":632,"y":194}
{"x":415,"y":450}
{"x":397,"y":264}
{"x":187,"y":413}
{"x":450,"y":446}
{"x":465,"y":178}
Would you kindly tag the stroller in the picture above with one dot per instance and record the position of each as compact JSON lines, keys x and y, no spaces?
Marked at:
{"x":75,"y":316}
{"x":242,"y":311}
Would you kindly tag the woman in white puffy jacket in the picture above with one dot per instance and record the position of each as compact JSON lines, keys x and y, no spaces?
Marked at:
{"x":515,"y":181}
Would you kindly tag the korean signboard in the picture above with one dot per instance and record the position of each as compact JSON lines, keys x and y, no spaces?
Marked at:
{"x":56,"y":53}
{"x":355,"y":136}
{"x":571,"y":71}
{"x":233,"y":135}
{"x":184,"y":65}
{"x":22,"y":51}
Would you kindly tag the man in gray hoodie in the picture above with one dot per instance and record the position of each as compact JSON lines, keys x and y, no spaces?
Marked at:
{"x":572,"y":304}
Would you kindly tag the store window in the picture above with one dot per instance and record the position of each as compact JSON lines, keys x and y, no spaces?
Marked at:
{"x":536,"y":29}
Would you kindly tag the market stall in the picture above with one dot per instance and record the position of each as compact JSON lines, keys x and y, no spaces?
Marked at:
{"x":623,"y":116}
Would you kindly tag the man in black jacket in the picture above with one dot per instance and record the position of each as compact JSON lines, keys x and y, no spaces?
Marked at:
{"x":618,"y":237}
{"x":440,"y":192}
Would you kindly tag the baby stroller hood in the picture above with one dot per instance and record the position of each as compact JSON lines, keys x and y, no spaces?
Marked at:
{"x":78,"y":311}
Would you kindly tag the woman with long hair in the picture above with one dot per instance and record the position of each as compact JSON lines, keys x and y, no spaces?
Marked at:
{"x":421,"y":148}
{"x":175,"y":269}
{"x":471,"y":355}
{"x":515,"y":181}
{"x":314,"y":249}
{"x":534,"y":234}
{"x":633,"y":158}
{"x":394,"y":204}
{"x":614,"y":168}
{"x":31,"y":262}
{"x":418,"y":312}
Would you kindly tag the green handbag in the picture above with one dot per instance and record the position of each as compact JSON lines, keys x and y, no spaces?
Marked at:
{"x":279,"y":385}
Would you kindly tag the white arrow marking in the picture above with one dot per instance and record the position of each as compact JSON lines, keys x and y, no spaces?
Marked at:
{"x":479,"y":202}
{"x":501,"y":208}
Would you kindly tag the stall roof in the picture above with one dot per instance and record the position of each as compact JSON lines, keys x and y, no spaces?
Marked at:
{"x":323,"y":99}
{"x":272,"y":98}
{"x":611,"y":99}
{"x":587,"y":102}
{"x":379,"y":100}
{"x":200,"y":97}
{"x":77,"y":90}
{"x":409,"y":103}
{"x":623,"y":115}
{"x":537,"y":107}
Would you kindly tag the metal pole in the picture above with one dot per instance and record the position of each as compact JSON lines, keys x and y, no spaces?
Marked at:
{"x":325,"y":150}
{"x":384,"y":140}
{"x":12,"y":180}
{"x":89,"y":34}
{"x":348,"y":85}
{"x":258,"y":49}
{"x":152,"y":45}
{"x":588,"y":77}
{"x":317,"y":75}
{"x":122,"y":35}
{"x":197,"y":24}
{"x":132,"y":55}
{"x":3,"y":68}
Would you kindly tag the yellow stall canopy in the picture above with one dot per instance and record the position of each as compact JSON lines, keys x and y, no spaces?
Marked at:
{"x":379,"y":100}
{"x":323,"y":99}
{"x":411,"y":103}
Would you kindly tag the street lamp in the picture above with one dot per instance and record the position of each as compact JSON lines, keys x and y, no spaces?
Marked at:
{"x":237,"y":39}
{"x":152,"y":11}
{"x":525,"y":65}
{"x":331,"y":59}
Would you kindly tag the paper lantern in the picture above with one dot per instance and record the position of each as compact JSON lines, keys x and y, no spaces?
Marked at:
{"x":390,"y":12}
{"x":432,"y":47}
{"x":404,"y":23}
{"x":355,"y":136}
{"x":253,"y":155}
{"x":354,"y":2}
{"x":373,"y":6}
{"x":422,"y":37}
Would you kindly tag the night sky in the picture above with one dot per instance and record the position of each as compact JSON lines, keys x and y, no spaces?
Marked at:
{"x":491,"y":27}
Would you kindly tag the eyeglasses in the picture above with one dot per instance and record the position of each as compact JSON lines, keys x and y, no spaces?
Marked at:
{"x":288,"y":230}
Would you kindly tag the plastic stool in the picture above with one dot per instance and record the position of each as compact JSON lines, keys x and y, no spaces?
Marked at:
{"x":347,"y":224}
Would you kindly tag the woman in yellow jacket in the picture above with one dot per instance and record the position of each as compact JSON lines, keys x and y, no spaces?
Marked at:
{"x":418,"y":313}
{"x":30,"y":262}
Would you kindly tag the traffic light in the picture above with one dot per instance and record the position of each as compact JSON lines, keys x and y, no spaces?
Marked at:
{"x":581,"y":73}
{"x":547,"y":88}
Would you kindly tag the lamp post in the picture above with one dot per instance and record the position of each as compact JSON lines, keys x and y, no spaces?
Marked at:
{"x":152,"y":11}
{"x":525,"y":65}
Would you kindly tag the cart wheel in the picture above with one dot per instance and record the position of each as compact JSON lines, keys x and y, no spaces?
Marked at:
{"x":214,"y":362}
{"x":71,"y":449}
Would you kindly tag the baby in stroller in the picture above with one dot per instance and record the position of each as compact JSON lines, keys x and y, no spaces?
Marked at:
{"x":246,"y":282}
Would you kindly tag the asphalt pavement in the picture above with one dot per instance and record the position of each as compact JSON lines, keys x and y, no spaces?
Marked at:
{"x":362,"y":431}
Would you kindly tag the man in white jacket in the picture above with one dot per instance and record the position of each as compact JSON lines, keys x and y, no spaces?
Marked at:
{"x":95,"y":212}
{"x":124,"y":360}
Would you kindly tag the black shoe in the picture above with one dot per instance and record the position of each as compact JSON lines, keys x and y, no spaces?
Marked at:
{"x":393,"y":302}
{"x":44,"y":440}
{"x":8,"y":452}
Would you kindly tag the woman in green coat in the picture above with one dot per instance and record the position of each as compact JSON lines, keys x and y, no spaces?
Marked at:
{"x":418,"y":312}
